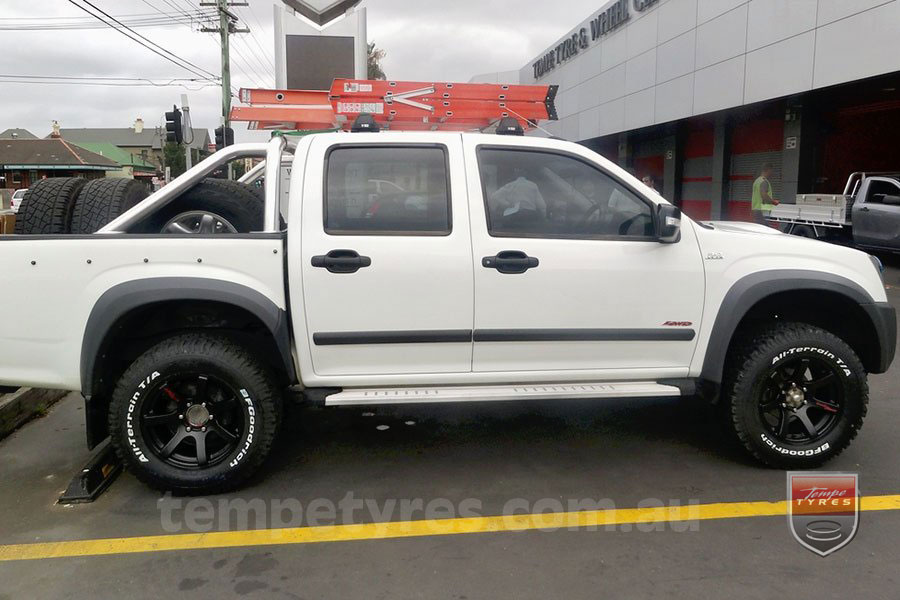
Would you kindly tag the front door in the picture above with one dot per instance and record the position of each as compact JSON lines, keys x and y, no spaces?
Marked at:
{"x":386,"y":256}
{"x":876,"y":219}
{"x":569,"y":278}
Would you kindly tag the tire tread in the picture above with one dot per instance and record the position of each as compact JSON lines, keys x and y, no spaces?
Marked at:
{"x":103,"y":200}
{"x":48,"y":206}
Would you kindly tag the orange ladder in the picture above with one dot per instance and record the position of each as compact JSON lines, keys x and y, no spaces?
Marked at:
{"x":397,"y":105}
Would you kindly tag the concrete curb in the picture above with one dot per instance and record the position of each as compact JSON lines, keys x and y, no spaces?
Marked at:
{"x":21,"y":406}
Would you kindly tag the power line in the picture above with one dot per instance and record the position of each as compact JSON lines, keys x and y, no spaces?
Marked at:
{"x":261,"y":62}
{"x":243,"y":57}
{"x":142,"y":23}
{"x":232,"y":90}
{"x":102,"y":77}
{"x":194,"y":88}
{"x":71,"y":18}
{"x":253,"y":36}
{"x":270,"y":69}
{"x":174,"y":60}
{"x":149,"y":40}
{"x":240,"y":63}
{"x":177,"y":8}
{"x":200,"y":13}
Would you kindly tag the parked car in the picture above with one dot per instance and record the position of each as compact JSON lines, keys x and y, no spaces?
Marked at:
{"x":501,"y":268}
{"x":16,"y":200}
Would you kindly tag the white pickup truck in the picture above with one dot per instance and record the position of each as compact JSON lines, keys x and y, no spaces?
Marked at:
{"x":423,"y":267}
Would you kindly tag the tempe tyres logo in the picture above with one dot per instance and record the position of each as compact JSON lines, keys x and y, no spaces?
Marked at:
{"x":823,"y":509}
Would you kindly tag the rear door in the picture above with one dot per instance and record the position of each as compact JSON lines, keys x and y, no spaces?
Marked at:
{"x":386,"y":256}
{"x":569,"y":277}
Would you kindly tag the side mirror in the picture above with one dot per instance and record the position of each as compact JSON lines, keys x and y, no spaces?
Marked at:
{"x":668,"y":224}
{"x":891,"y":200}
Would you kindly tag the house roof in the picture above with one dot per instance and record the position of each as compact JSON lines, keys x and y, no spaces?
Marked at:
{"x":16,"y":133}
{"x":149,"y":137}
{"x":123,"y":157}
{"x":52,"y":153}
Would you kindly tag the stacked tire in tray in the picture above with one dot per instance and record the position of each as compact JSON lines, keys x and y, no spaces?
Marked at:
{"x":71,"y":205}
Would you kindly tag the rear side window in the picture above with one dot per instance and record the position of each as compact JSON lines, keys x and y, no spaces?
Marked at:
{"x":539,"y":194}
{"x":387,"y":190}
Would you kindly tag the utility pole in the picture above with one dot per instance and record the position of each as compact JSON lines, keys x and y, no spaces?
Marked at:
{"x":187,"y":127}
{"x":227,"y":26}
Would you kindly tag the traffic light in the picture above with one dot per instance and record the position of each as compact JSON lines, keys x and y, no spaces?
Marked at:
{"x":174,"y":132}
{"x":224,"y":137}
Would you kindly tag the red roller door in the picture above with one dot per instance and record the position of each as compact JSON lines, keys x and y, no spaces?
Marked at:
{"x":696,"y":179}
{"x":753,"y":143}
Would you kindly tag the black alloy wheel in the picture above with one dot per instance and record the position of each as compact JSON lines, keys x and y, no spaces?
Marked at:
{"x":802,"y":400}
{"x":193,"y":421}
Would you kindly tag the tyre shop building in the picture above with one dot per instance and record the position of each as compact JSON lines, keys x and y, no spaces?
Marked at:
{"x":699,"y":94}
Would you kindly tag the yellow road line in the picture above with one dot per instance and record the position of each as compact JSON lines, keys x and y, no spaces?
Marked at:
{"x":402,"y":529}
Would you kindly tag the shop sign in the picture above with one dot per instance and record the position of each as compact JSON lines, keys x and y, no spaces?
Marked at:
{"x":608,"y":20}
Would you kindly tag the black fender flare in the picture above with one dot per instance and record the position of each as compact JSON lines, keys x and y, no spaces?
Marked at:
{"x":121,"y":299}
{"x":749,"y":290}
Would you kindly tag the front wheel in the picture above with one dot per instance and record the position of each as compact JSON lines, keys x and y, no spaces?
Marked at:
{"x":196,"y":413}
{"x":795,"y":395}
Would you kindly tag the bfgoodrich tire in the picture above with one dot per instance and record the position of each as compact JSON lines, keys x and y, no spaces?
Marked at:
{"x":47,"y":206}
{"x":103,"y":200}
{"x":795,"y":395}
{"x":196,"y":414}
{"x":229,"y":207}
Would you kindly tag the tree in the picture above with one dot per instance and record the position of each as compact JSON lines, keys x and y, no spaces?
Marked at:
{"x":238,"y":168}
{"x":173,"y":157}
{"x":375,"y":55}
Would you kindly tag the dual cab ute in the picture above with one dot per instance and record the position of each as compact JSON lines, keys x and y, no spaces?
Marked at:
{"x":394,"y":268}
{"x":866,"y":215}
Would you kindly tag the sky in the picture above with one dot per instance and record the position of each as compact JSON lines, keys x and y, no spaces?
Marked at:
{"x":424,"y":40}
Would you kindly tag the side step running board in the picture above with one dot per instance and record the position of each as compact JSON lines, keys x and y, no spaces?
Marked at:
{"x":418,"y":395}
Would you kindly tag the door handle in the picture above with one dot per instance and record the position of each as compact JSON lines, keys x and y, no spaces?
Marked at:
{"x":341,"y":261}
{"x":510,"y":261}
{"x":864,"y":209}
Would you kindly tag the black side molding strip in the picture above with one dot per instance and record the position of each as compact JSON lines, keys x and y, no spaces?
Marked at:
{"x":584,"y":335}
{"x":444,"y":336}
{"x":424,"y":336}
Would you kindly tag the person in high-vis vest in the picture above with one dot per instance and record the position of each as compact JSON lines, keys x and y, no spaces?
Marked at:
{"x":762,"y":201}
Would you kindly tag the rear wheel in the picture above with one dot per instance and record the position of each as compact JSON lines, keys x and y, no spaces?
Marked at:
{"x":804,"y":231}
{"x":195,"y":414}
{"x":213,"y":206}
{"x":103,"y":200}
{"x":796,"y":395}
{"x":47,"y":206}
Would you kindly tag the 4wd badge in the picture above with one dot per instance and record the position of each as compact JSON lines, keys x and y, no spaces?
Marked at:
{"x":823,"y":509}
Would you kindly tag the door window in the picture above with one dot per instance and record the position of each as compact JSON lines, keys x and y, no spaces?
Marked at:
{"x":387,"y":190}
{"x":543,"y":194}
{"x":879,"y":189}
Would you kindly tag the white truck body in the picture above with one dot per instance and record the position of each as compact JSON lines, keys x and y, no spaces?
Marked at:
{"x":420,"y":283}
{"x":472,"y":310}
